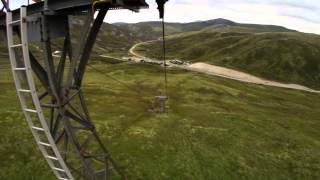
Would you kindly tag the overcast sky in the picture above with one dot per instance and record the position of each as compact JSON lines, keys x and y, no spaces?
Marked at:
{"x":302,"y":15}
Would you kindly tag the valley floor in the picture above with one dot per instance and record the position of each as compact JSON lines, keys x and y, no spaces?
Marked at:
{"x":227,"y":73}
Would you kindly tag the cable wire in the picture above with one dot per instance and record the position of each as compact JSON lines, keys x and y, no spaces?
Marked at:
{"x":164,"y":56}
{"x":139,"y":95}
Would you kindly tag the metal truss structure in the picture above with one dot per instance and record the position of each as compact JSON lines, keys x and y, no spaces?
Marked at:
{"x":50,"y":88}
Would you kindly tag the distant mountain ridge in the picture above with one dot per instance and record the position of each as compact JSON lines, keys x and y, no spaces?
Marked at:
{"x":220,"y":41}
{"x":153,"y":28}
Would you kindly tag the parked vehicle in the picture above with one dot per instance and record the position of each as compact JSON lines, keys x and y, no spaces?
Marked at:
{"x":56,"y":53}
{"x":176,"y":61}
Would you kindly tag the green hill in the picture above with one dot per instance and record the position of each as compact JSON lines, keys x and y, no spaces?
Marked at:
{"x":291,"y":57}
{"x":272,"y":52}
{"x":116,"y":39}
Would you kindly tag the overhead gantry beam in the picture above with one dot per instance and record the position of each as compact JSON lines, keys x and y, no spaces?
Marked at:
{"x":69,"y":7}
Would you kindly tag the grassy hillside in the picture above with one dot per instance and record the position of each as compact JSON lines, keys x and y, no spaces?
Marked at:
{"x":214,"y":128}
{"x":4,"y":63}
{"x":116,"y":39}
{"x":290,"y":57}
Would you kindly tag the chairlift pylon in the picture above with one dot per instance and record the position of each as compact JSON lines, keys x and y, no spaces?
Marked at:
{"x":57,"y":112}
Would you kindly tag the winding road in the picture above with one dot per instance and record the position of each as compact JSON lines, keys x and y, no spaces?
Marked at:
{"x":227,"y":73}
{"x":131,"y":50}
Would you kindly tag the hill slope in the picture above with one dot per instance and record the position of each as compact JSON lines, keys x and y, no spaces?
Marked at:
{"x":290,"y":57}
{"x":214,"y":129}
{"x":116,"y":39}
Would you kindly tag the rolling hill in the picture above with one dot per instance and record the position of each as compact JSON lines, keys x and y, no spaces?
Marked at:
{"x":290,"y":57}
{"x":268,"y":51}
{"x":153,"y":30}
{"x":116,"y":39}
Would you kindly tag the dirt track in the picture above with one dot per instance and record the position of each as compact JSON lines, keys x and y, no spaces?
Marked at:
{"x":131,"y":51}
{"x":240,"y":76}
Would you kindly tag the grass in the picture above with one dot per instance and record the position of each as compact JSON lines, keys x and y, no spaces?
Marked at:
{"x":214,"y":128}
{"x":289,"y":57}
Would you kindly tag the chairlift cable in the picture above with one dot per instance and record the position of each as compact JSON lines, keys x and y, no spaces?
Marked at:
{"x":164,"y":57}
{"x":164,"y":96}
{"x":114,"y":79}
{"x":139,"y":95}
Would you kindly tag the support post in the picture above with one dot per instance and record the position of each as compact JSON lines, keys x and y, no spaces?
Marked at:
{"x":56,"y":95}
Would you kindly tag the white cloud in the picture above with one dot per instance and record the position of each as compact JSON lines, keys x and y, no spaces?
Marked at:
{"x":302,"y":15}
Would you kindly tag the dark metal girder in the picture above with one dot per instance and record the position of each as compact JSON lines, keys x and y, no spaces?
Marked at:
{"x":65,"y":147}
{"x":74,"y":109}
{"x":62,"y":62}
{"x":57,"y":96}
{"x":89,"y":45}
{"x":39,"y":71}
{"x":59,"y":138}
{"x":5,"y":5}
{"x":80,"y":120}
{"x":78,"y":48}
{"x":55,"y":125}
{"x":49,"y":59}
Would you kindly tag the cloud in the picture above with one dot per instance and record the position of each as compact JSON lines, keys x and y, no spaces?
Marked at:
{"x":301,"y":15}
